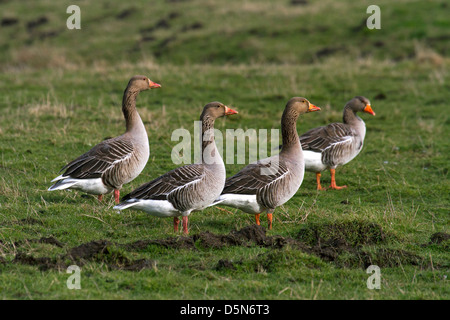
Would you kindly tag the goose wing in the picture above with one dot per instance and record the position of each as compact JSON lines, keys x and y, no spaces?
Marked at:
{"x":265,"y":179}
{"x":336,"y":142}
{"x":255,"y":177}
{"x":322,"y":138}
{"x":180,"y":179}
{"x":101,"y":158}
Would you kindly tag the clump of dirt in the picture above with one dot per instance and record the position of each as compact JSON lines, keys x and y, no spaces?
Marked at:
{"x":29,"y":221}
{"x":328,"y":51}
{"x":244,"y":237}
{"x":139,"y":265}
{"x":95,"y":251}
{"x":382,"y":257}
{"x":126,"y":13}
{"x":36,"y":23}
{"x":51,"y":240}
{"x":299,"y":2}
{"x":341,"y":243}
{"x":193,"y":26}
{"x":8,"y":21}
{"x":385,"y":257}
{"x":225,"y":264}
{"x":380,"y":96}
{"x":350,"y":233}
{"x":172,"y":242}
{"x":89,"y":250}
{"x":43,"y":263}
{"x":99,"y":251}
{"x":439,"y":237}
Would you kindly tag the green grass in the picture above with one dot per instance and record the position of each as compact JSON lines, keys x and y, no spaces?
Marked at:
{"x":62,"y":93}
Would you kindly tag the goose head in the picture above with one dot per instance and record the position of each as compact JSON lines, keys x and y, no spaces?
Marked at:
{"x":214,"y":110}
{"x":300,"y":105}
{"x":362,"y":104}
{"x":141,"y":83}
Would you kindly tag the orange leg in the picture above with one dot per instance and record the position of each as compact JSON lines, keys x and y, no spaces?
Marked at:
{"x":333,"y":181}
{"x":176,"y":223}
{"x":319,"y":186}
{"x":270,"y":217}
{"x":100,"y":197}
{"x":257,"y":218}
{"x":185,"y":225}
{"x":117,"y":196}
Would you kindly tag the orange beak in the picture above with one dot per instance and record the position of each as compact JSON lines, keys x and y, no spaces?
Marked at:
{"x":368,"y":109}
{"x":229,"y":111}
{"x":313,"y":108}
{"x":153,"y":85}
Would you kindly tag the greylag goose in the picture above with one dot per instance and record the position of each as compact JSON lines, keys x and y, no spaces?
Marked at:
{"x":116,"y":161}
{"x":336,"y":144}
{"x":262,"y":186}
{"x":189,"y":188}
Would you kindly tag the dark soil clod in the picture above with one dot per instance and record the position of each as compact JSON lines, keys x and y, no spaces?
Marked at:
{"x":439,"y":237}
{"x":51,"y":240}
{"x":126,"y":13}
{"x":36,"y":23}
{"x":299,"y":2}
{"x":6,"y":22}
{"x":225,"y":264}
{"x":89,"y":250}
{"x":341,"y":243}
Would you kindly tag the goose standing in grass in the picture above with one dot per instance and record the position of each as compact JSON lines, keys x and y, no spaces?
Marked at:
{"x":336,"y":144}
{"x":266,"y":184}
{"x":116,"y":161}
{"x":189,"y":188}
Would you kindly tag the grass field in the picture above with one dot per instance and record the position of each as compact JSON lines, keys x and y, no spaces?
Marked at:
{"x":62,"y":92}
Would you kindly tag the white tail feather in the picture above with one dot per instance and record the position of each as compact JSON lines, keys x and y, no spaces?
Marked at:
{"x":126,"y":204}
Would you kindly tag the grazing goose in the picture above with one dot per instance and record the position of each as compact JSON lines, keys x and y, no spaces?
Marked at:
{"x":116,"y":161}
{"x":337,"y":143}
{"x":189,"y":188}
{"x":266,"y":184}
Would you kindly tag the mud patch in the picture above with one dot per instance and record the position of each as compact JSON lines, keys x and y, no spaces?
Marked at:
{"x":225,"y":264}
{"x":29,"y":221}
{"x":173,"y":242}
{"x":50,"y":240}
{"x":380,"y":96}
{"x":439,"y":237}
{"x":139,"y":265}
{"x":90,"y":250}
{"x":126,"y":13}
{"x":7,"y":21}
{"x":350,"y":233}
{"x":31,"y":25}
{"x":247,"y":236}
{"x":193,"y":26}
{"x":299,"y":2}
{"x":328,"y":51}
{"x":349,"y":244}
{"x":100,"y":251}
{"x":43,"y":263}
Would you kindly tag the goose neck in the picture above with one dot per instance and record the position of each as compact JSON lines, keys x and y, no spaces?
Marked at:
{"x":132,"y":118}
{"x":350,"y":116}
{"x":289,"y":130}
{"x":210,"y":154}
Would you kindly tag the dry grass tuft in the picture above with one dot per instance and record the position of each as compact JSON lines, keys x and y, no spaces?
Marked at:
{"x":38,"y":57}
{"x":427,"y":55}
